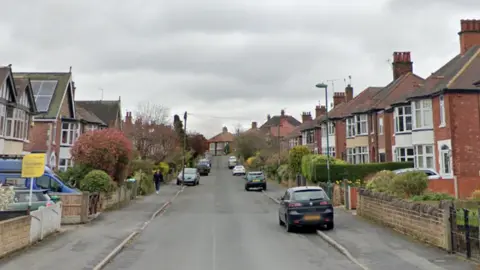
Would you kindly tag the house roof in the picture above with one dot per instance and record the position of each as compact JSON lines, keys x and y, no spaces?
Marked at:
{"x":398,"y":91}
{"x":275,"y":121}
{"x":308,"y":125}
{"x":63,"y":79}
{"x":359,"y":102}
{"x":89,"y":117}
{"x":23,"y":86}
{"x":6,"y":76}
{"x":297,"y":132}
{"x":460,"y":73}
{"x":105,"y":110}
{"x":224,"y":136}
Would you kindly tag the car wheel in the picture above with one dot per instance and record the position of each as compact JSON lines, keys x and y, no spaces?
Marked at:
{"x":178,"y":183}
{"x":265,"y":187}
{"x":288,"y":227}
{"x":246,"y":188}
{"x":280,"y":222}
{"x":330,"y":226}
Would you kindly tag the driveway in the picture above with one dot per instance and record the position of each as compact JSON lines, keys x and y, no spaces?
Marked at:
{"x":220,"y":226}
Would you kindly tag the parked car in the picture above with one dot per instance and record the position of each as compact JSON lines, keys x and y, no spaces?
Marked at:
{"x":305,"y":207}
{"x":232,"y":162}
{"x":238,"y":170}
{"x":203,"y":167}
{"x":255,"y":180}
{"x":429,"y":172}
{"x":21,"y":199}
{"x":11,"y":174}
{"x":192,"y":177}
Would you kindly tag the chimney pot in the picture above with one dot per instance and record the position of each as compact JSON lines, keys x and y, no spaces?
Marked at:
{"x":254,"y":125}
{"x":348,"y":93}
{"x":268,"y":117}
{"x":225,"y":129}
{"x":338,"y":98}
{"x":469,"y":34}
{"x":306,"y":116}
{"x":320,"y":110}
{"x":282,"y":112}
{"x":402,"y":64}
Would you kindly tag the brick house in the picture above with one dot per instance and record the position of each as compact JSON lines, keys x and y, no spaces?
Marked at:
{"x":295,"y":137}
{"x":17,"y":106}
{"x":218,"y":142}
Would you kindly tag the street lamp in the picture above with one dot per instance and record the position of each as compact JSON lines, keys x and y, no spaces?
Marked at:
{"x":184,"y":146}
{"x":329,"y":181}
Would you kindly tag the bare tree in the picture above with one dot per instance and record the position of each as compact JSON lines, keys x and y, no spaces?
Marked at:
{"x":152,"y":113}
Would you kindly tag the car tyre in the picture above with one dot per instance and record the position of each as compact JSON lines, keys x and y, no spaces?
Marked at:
{"x":288,"y":227}
{"x":246,"y":188}
{"x":264,"y":187}
{"x":330,"y":226}
{"x":280,"y":222}
{"x":178,"y":183}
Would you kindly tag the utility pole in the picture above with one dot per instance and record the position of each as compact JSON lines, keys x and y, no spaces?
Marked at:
{"x":184,"y":145}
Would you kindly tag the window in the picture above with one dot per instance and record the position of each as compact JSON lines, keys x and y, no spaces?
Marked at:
{"x":424,"y":157}
{"x":403,"y":119}
{"x":350,"y":127}
{"x":64,"y":164}
{"x":3,"y":113}
{"x":331,"y":129}
{"x":382,"y":157}
{"x":70,"y":133}
{"x":331,"y":151}
{"x":404,"y":154}
{"x":91,"y":128}
{"x":309,"y":136}
{"x":380,"y":126}
{"x":351,"y":155}
{"x":445,"y":160}
{"x":442,"y":110}
{"x":357,"y":155}
{"x":423,"y":113}
{"x":43,"y":182}
{"x":361,"y":124}
{"x":16,"y":125}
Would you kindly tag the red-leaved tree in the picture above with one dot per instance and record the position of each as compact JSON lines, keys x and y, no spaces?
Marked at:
{"x":108,"y":150}
{"x":198,"y":143}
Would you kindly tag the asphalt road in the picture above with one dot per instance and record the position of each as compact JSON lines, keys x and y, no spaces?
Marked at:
{"x":218,"y":225}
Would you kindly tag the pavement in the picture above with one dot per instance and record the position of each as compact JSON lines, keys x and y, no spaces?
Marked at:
{"x":380,"y":248}
{"x":83,"y":246}
{"x":220,"y":226}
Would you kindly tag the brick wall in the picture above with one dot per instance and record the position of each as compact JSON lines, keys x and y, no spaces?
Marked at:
{"x":15,"y":234}
{"x":424,"y":222}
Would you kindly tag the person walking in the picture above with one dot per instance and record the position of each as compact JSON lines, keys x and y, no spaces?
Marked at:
{"x":157,"y":178}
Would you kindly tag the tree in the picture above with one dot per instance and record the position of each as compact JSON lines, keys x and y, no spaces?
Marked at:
{"x":248,"y":144}
{"x":108,"y":150}
{"x":179,"y":130}
{"x":152,"y":135}
{"x":295,"y":157}
{"x":197,"y":143}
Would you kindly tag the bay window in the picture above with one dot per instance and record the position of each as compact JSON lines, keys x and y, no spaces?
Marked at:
{"x":3,"y":113}
{"x":423,"y":113}
{"x":361,"y":124}
{"x":70,"y":133}
{"x":404,"y":154}
{"x":350,"y":127}
{"x":403,"y":119}
{"x":358,"y":155}
{"x":16,"y":123}
{"x":351,"y":155}
{"x":424,"y":156}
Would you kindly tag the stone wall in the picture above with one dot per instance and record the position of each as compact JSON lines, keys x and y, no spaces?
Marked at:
{"x":14,"y":234}
{"x":424,"y":222}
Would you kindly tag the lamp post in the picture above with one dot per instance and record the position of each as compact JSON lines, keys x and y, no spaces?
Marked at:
{"x":329,"y":181}
{"x":184,"y":145}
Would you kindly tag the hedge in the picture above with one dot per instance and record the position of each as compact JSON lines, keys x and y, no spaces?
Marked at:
{"x":355,"y":171}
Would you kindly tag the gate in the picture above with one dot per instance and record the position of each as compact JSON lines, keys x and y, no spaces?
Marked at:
{"x":93,"y":203}
{"x":465,"y":231}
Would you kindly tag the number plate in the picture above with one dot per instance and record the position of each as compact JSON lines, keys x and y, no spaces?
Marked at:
{"x":256,"y":180}
{"x":310,"y":218}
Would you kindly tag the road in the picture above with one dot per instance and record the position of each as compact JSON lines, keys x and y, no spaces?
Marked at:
{"x":218,"y":225}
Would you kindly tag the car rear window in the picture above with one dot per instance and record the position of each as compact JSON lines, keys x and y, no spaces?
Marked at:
{"x":22,"y":197}
{"x":306,"y":195}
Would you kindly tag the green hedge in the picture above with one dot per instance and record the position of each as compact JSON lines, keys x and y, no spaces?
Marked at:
{"x":355,"y":171}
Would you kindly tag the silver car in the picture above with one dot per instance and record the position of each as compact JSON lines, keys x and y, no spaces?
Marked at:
{"x":192,"y":177}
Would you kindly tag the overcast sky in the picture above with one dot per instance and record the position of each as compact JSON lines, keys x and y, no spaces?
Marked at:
{"x":227,"y":62}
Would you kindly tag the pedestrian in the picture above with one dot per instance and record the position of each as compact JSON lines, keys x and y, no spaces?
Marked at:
{"x":157,"y":178}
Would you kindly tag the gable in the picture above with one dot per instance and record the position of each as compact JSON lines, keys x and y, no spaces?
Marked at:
{"x":67,"y":109}
{"x":7,"y":86}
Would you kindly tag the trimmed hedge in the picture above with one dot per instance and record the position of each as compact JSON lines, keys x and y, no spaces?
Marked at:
{"x":355,"y":171}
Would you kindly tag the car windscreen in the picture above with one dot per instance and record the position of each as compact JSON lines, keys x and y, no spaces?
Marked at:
{"x":190,"y":171}
{"x":306,"y":195}
{"x":239,"y":167}
{"x":258,"y":175}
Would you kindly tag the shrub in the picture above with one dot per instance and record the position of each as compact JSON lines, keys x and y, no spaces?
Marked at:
{"x":409,"y":184}
{"x":356,"y":171}
{"x":73,"y":176}
{"x":381,"y":181}
{"x":311,"y":161}
{"x":145,"y":183}
{"x":6,"y":197}
{"x":144,"y":165}
{"x":433,"y":196}
{"x":163,"y":167}
{"x":295,"y":156}
{"x":97,"y":181}
{"x":107,"y":150}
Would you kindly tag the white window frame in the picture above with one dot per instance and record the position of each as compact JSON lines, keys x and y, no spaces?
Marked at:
{"x":72,"y":131}
{"x":91,"y":127}
{"x":380,"y":126}
{"x":401,"y":116}
{"x":441,"y":101}
{"x":351,"y":155}
{"x":361,"y":124}
{"x":63,"y":167}
{"x":19,"y":122}
{"x":423,"y":117}
{"x":350,"y":127}
{"x":3,"y":119}
{"x":402,"y":155}
{"x":358,"y":155}
{"x":446,"y":155}
{"x":422,"y":157}
{"x":331,"y":129}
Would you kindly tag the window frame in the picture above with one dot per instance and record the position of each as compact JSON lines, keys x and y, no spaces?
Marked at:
{"x":401,"y":117}
{"x":424,"y":156}
{"x":423,"y":111}
{"x":361,"y":124}
{"x":380,"y":125}
{"x":405,"y":157}
{"x":72,"y":133}
{"x":15,"y":126}
{"x":446,"y":153}
{"x":63,"y":167}
{"x":441,"y":104}
{"x":350,"y":127}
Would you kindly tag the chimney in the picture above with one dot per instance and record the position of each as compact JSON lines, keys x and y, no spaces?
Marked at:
{"x":225,"y":130}
{"x":320,"y":110}
{"x":469,"y":34}
{"x":338,"y":98}
{"x":402,"y":64}
{"x":254,"y":125}
{"x":73,"y":89}
{"x":306,"y":116}
{"x":348,"y":93}
{"x":268,"y":117}
{"x":282,"y":113}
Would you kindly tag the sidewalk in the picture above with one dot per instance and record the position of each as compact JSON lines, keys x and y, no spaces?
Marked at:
{"x":83,"y":247}
{"x":380,"y":248}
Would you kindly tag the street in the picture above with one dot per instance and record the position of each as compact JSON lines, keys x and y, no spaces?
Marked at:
{"x":218,"y":225}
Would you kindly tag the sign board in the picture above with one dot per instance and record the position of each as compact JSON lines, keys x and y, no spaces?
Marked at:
{"x":33,"y":165}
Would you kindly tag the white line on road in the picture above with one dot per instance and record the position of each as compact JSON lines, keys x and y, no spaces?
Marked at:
{"x":214,"y":247}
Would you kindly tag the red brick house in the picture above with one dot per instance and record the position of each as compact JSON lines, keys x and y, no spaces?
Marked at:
{"x":218,"y":142}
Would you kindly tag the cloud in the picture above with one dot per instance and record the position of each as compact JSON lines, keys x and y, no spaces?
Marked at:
{"x":227,"y":62}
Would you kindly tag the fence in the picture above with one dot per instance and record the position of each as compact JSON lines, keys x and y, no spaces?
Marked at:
{"x":75,"y":207}
{"x":465,"y":229}
{"x":45,"y":221}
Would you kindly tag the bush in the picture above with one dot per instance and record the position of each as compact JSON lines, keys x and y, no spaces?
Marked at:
{"x":73,"y":176}
{"x":7,"y":195}
{"x":356,"y":171}
{"x":381,"y":181}
{"x":409,"y":184}
{"x":97,"y":181}
{"x":295,"y":156}
{"x":433,"y":196}
{"x":143,"y":165}
{"x":311,"y":161}
{"x":145,"y":183}
{"x":284,"y":172}
{"x":163,"y":167}
{"x":107,"y":150}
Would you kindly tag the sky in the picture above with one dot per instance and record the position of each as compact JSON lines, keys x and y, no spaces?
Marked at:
{"x":228,"y":62}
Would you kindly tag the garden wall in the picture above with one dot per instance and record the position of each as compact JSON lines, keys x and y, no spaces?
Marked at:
{"x":14,"y":234}
{"x":45,"y":221}
{"x":426,"y":223}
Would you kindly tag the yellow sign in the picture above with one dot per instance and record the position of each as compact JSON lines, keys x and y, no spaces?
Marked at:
{"x":33,"y":165}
